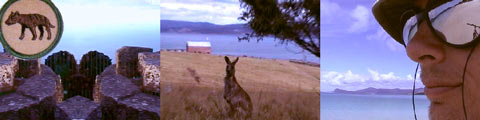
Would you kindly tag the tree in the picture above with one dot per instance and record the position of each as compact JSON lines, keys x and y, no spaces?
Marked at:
{"x":296,"y":21}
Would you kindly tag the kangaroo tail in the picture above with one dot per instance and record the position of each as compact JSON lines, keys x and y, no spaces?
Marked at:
{"x":51,"y":26}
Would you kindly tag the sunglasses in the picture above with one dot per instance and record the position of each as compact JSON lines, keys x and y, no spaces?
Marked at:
{"x":455,"y":23}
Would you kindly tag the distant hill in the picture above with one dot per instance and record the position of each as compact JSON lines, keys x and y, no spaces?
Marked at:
{"x":375,"y":91}
{"x":173,"y":26}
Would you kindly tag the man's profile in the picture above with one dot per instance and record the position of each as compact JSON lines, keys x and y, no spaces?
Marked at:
{"x":436,"y":35}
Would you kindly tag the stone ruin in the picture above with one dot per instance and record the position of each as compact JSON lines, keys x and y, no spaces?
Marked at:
{"x":149,"y":67}
{"x":127,"y":60}
{"x":8,"y":68}
{"x":117,"y":93}
{"x":34,"y":97}
{"x":29,"y":68}
{"x":78,"y":107}
{"x":120,"y":91}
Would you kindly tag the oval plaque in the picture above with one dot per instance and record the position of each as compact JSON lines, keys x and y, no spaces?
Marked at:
{"x":30,"y":29}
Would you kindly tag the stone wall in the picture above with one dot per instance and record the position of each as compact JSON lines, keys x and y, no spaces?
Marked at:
{"x":127,"y":60}
{"x":8,"y":68}
{"x":149,"y":67}
{"x":37,"y":92}
{"x":34,"y":99}
{"x":119,"y":98}
{"x":78,"y":107}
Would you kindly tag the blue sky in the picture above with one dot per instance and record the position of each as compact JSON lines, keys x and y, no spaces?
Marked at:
{"x":357,"y":53}
{"x":106,"y":25}
{"x":213,"y":11}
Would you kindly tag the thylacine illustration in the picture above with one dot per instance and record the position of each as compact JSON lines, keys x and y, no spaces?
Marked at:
{"x":30,"y":21}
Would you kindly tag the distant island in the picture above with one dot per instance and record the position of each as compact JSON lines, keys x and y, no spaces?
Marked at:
{"x":376,"y":91}
{"x":174,"y":26}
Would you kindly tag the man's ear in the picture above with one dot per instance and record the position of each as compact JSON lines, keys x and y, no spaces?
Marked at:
{"x":227,"y":60}
{"x":236,"y":60}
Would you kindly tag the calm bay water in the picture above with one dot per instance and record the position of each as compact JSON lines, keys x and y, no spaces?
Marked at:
{"x":372,"y":107}
{"x":107,"y":41}
{"x":229,"y":45}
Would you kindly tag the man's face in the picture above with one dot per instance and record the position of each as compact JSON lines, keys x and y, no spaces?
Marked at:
{"x":442,"y":71}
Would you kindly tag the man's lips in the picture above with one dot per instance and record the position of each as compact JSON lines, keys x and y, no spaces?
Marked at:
{"x":438,"y":92}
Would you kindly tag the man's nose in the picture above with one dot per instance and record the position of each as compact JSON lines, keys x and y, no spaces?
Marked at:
{"x":425,"y":48}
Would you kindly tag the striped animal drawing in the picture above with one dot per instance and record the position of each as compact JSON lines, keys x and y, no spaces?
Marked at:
{"x":30,"y":21}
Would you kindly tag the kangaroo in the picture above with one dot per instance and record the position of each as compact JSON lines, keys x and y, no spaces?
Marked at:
{"x":238,"y":100}
{"x":30,"y":21}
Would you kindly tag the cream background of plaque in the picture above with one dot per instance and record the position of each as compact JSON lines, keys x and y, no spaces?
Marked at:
{"x":12,"y":33}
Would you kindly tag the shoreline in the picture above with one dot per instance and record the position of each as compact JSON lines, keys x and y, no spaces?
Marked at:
{"x":298,"y":61}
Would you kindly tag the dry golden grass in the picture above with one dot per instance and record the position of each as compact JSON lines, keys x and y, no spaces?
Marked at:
{"x":279,"y":89}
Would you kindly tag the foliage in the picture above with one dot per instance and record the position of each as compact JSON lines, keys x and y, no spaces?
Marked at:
{"x":296,"y":21}
{"x":93,"y":63}
{"x":62,"y":63}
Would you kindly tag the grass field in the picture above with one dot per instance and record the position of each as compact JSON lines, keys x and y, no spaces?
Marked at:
{"x":192,"y":87}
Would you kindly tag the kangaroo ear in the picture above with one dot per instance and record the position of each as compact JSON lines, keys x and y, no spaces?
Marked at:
{"x":16,"y":12}
{"x":227,"y":60}
{"x":236,"y":60}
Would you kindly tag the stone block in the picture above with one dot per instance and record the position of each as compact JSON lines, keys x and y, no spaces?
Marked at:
{"x":149,"y":66}
{"x":127,"y":60}
{"x":120,"y":99}
{"x":96,"y":91}
{"x":8,"y":68}
{"x":58,"y":90}
{"x":33,"y":100}
{"x":114,"y":85}
{"x":142,"y":107}
{"x":78,"y":107}
{"x":28,"y":68}
{"x":17,"y":107}
{"x":40,"y":86}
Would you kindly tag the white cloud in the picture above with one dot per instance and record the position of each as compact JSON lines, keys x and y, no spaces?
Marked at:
{"x":375,"y":75}
{"x":361,"y":15}
{"x":328,"y":8}
{"x":332,"y":13}
{"x":153,"y":2}
{"x":108,"y":14}
{"x":332,"y":77}
{"x":353,"y":81}
{"x":350,"y":77}
{"x":218,"y":12}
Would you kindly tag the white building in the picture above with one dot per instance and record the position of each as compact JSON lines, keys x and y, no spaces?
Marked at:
{"x":199,"y":47}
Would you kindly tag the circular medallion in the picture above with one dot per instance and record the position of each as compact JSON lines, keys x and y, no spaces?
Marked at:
{"x":30,"y":29}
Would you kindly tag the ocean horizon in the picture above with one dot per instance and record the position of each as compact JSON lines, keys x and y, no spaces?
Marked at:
{"x":228,"y":44}
{"x":372,"y":107}
{"x":106,"y":41}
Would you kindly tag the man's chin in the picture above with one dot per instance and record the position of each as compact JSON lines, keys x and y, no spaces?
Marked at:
{"x":446,"y":111}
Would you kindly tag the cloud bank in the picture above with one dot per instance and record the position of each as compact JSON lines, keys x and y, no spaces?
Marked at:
{"x":353,"y":81}
{"x":214,"y":11}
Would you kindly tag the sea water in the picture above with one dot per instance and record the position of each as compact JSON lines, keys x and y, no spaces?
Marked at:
{"x":372,"y":107}
{"x":229,"y":45}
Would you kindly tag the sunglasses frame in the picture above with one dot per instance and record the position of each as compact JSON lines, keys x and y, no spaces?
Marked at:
{"x":422,"y":15}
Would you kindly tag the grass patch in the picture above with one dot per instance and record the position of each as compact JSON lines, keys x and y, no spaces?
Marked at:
{"x":192,"y":87}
